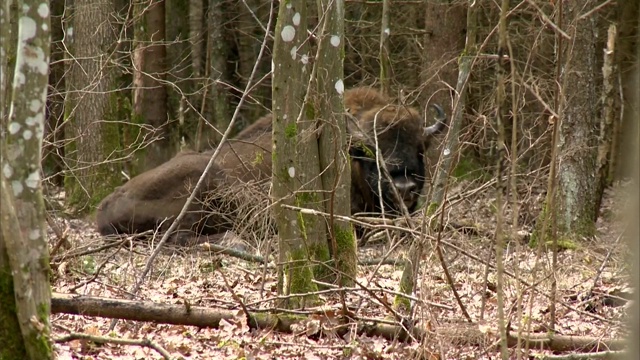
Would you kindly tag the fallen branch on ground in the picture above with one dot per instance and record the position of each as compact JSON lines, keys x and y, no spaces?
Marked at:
{"x":185,"y":314}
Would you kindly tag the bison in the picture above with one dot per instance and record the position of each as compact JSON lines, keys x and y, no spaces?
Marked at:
{"x":154,"y":198}
{"x":396,"y":131}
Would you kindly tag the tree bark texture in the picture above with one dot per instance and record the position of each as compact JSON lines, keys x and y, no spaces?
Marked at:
{"x":53,"y":146}
{"x":149,"y":92}
{"x":217,"y":58}
{"x":290,"y":74}
{"x":334,"y":156}
{"x":579,"y":189}
{"x":25,"y":293}
{"x":91,"y":137}
{"x":444,"y":39}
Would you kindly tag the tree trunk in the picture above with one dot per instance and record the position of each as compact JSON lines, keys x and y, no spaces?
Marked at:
{"x":631,"y":95}
{"x":383,"y":56}
{"x":217,"y":56}
{"x":90,"y":136}
{"x":53,"y":148}
{"x":25,"y":293}
{"x":149,"y":93}
{"x":196,"y":36}
{"x":445,"y":25}
{"x":334,"y":157}
{"x":579,"y":190}
{"x":289,"y":92}
{"x":8,"y":41}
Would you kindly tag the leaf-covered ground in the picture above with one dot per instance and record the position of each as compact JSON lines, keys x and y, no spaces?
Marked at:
{"x":591,"y":291}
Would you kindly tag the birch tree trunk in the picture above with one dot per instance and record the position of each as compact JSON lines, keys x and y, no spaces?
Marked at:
{"x":25,"y":293}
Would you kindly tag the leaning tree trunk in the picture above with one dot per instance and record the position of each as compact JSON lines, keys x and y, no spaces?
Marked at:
{"x":25,"y":293}
{"x":289,"y":91}
{"x":334,"y":158}
{"x":149,"y":92}
{"x":579,"y":191}
{"x":91,"y":136}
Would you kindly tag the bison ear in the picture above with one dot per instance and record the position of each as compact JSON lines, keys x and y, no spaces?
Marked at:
{"x":441,"y":122}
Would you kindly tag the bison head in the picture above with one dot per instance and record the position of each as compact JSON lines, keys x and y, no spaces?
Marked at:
{"x":389,"y":139}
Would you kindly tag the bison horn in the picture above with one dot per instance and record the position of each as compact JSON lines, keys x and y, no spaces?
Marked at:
{"x":441,"y":122}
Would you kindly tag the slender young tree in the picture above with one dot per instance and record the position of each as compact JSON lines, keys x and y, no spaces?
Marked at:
{"x":25,"y":293}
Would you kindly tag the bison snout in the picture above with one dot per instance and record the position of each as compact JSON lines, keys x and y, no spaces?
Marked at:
{"x":406,"y":189}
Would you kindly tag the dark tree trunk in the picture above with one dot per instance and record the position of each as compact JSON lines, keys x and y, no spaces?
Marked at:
{"x":149,"y":94}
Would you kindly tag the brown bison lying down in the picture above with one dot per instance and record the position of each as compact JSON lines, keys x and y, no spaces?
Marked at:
{"x":157,"y":196}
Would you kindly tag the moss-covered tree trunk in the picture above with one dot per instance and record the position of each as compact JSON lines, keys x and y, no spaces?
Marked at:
{"x":334,"y":156}
{"x":25,"y":294}
{"x":579,"y":191}
{"x":92,"y":137}
{"x":149,"y":73}
{"x":290,"y":74}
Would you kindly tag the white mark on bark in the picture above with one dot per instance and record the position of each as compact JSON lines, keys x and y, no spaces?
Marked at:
{"x":17,"y":187}
{"x":447,"y":151}
{"x":339,"y":86}
{"x":21,"y":79}
{"x":294,"y":52}
{"x":335,"y":40}
{"x":35,"y":119}
{"x":27,"y":134}
{"x":296,"y":19}
{"x":289,"y":5}
{"x":33,"y":179}
{"x":43,"y":10}
{"x":27,"y":28}
{"x":7,"y":171}
{"x":292,"y":172}
{"x":45,"y":27}
{"x":288,"y":33}
{"x":305,"y":59}
{"x":387,"y":32}
{"x":34,"y":235}
{"x":14,"y":127}
{"x":35,"y":105}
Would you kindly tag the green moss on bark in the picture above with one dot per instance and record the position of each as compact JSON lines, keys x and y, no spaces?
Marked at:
{"x":300,"y":276}
{"x":11,"y":344}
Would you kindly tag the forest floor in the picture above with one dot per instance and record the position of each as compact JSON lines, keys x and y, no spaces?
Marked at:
{"x":592,"y":284}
